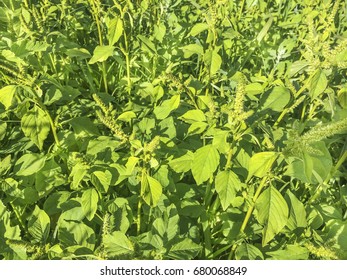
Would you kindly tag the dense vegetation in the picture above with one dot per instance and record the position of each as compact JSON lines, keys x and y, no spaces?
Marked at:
{"x":173,"y":129}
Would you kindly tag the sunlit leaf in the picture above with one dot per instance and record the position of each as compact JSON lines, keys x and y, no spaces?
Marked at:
{"x":205,"y":163}
{"x":272,"y":213}
{"x":101,"y":53}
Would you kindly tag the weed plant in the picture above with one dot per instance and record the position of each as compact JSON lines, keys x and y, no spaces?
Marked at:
{"x":173,"y":129}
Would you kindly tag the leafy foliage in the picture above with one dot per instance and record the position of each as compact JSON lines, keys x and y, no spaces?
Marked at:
{"x":173,"y":129}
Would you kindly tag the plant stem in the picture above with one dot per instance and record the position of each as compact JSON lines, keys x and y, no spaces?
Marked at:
{"x":249,"y":213}
{"x":139,"y":206}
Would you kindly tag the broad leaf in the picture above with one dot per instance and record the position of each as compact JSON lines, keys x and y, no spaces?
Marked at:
{"x":227,"y":184}
{"x":291,"y":252}
{"x":260,"y":164}
{"x":193,"y":116}
{"x":39,"y":225}
{"x":205,"y":163}
{"x":90,"y":199}
{"x":198,"y":28}
{"x":101,"y":53}
{"x":297,"y":212}
{"x":117,"y":244}
{"x":272,"y":213}
{"x":213,"y":60}
{"x":126,"y":116}
{"x":191,"y":49}
{"x":163,"y":110}
{"x":277,"y":99}
{"x":183,"y":163}
{"x":101,"y":180}
{"x":72,"y":233}
{"x":115,"y":30}
{"x":318,"y":84}
{"x":35,"y":125}
{"x":151,"y":190}
{"x":248,"y":252}
{"x":184,"y":250}
{"x":197,"y":128}
{"x":29,"y":164}
{"x":6,"y":95}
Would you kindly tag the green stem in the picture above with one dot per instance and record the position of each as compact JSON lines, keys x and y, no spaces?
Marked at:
{"x":96,"y":14}
{"x":104,"y":76}
{"x":251,"y":208}
{"x":207,"y":234}
{"x":249,"y":213}
{"x":241,"y":9}
{"x":229,"y":157}
{"x":127,"y":60}
{"x":139,"y":206}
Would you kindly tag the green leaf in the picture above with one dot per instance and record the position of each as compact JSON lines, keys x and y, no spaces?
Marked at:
{"x":29,"y":164}
{"x":277,"y":99}
{"x":35,"y":125}
{"x":72,"y":210}
{"x":54,"y":202}
{"x":167,"y":227}
{"x":220,"y":140}
{"x":297,"y":212}
{"x":318,"y":84}
{"x":39,"y":225}
{"x":335,"y":232}
{"x":272,"y":213}
{"x":264,"y":30}
{"x":184,"y":250}
{"x":115,"y":30}
{"x":126,"y":116}
{"x":214,"y":60}
{"x":254,"y":89}
{"x":321,"y":164}
{"x":5,"y":164}
{"x":71,"y":233}
{"x":260,"y":164}
{"x":308,"y":164}
{"x":101,"y":53}
{"x":148,"y":43}
{"x":101,"y":180}
{"x":3,"y":128}
{"x":84,"y":126}
{"x":90,"y":199}
{"x":227,"y":184}
{"x":183,"y":163}
{"x":192,"y":116}
{"x":79,"y":170}
{"x":205,"y":163}
{"x":291,"y":252}
{"x":297,"y":66}
{"x":248,"y":252}
{"x":159,"y":32}
{"x":163,"y":110}
{"x":6,"y":95}
{"x":197,"y":128}
{"x":79,"y":53}
{"x":6,"y":230}
{"x":151,"y":190}
{"x":117,"y":244}
{"x":198,"y":28}
{"x":9,"y":187}
{"x":192,"y":49}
